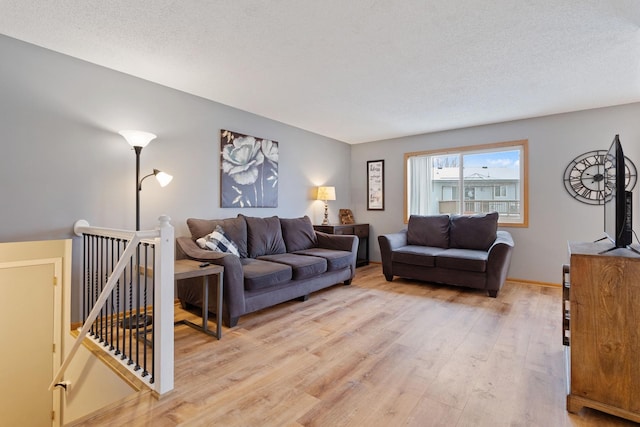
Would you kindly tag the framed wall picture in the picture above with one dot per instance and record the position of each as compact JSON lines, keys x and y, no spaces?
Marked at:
{"x":375,"y":185}
{"x":248,"y":171}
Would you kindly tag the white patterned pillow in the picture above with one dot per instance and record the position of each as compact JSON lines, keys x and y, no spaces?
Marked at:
{"x":218,"y":241}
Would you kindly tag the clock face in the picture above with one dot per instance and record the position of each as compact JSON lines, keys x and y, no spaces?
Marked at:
{"x":588,"y":178}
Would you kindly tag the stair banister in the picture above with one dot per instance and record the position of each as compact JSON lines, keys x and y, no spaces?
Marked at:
{"x":113,"y":278}
{"x":163,"y":236}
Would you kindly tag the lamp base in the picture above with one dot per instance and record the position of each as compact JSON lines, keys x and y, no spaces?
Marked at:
{"x":325,"y":221}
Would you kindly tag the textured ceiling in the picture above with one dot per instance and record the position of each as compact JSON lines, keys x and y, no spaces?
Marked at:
{"x":358,"y":70}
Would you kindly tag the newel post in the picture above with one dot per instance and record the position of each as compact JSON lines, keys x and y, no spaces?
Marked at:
{"x":163,"y":306}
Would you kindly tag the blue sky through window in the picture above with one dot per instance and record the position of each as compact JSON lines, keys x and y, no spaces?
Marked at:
{"x":510,"y":159}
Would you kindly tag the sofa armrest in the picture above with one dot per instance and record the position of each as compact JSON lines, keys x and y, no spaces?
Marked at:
{"x":340,"y":242}
{"x":389,"y":242}
{"x":186,"y":248}
{"x":233,"y":277}
{"x":498,"y":261}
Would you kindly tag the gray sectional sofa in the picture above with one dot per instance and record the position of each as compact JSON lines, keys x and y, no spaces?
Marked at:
{"x":462,"y":250}
{"x":279,"y":259}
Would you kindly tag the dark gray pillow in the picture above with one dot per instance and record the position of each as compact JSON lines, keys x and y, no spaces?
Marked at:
{"x":473,"y":231}
{"x":430,"y":230}
{"x":298,"y":233}
{"x":234,"y":228}
{"x":264,"y":236}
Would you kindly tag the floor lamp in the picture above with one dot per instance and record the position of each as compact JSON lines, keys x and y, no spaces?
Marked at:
{"x":138,"y":140}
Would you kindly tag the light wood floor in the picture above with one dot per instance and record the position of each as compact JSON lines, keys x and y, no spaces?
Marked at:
{"x":375,"y":354}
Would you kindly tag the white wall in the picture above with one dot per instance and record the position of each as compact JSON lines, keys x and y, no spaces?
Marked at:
{"x":554,"y":217}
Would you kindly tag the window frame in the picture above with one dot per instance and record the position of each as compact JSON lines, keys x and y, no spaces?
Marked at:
{"x":524,"y":172}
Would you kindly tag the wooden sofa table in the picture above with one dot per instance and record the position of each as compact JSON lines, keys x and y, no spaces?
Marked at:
{"x":186,"y":269}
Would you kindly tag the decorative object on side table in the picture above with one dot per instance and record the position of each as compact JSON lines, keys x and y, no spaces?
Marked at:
{"x":346,"y":216}
{"x":375,"y":185}
{"x":248,"y":171}
{"x":325,"y":194}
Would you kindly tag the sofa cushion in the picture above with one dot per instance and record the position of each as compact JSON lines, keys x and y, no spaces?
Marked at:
{"x":463,"y":259}
{"x":303,"y":266}
{"x":264,"y":236}
{"x":218,"y":241}
{"x":416,"y":255}
{"x":473,"y":231}
{"x":430,"y":230}
{"x":298,"y":233}
{"x":260,"y":274}
{"x":336,"y":259}
{"x":234,"y":228}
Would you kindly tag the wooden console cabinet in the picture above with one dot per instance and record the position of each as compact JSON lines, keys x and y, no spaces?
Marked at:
{"x":360,"y":230}
{"x":603,"y":320}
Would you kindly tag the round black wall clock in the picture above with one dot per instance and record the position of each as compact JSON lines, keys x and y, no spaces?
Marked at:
{"x":584,"y":177}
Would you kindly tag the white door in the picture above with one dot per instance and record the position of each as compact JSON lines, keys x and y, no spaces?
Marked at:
{"x":29,"y":329}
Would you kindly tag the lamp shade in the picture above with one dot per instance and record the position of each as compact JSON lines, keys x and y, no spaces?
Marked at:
{"x":163,"y":178}
{"x":137,"y":138}
{"x":326,"y":193}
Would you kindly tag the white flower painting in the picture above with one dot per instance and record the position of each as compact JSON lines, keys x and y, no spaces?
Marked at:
{"x":248,"y":171}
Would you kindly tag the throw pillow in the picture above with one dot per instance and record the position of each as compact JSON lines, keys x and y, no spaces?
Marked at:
{"x":218,"y":241}
{"x":473,"y":231}
{"x":430,"y":230}
{"x":298,"y":233}
{"x":234,"y":228}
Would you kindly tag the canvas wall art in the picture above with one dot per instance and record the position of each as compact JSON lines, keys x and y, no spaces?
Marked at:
{"x":248,"y":171}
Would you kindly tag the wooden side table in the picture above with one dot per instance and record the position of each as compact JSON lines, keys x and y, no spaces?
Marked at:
{"x":360,"y":230}
{"x":186,"y":269}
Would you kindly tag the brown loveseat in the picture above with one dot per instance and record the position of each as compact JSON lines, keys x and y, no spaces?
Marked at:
{"x":278,"y":260}
{"x":462,"y":250}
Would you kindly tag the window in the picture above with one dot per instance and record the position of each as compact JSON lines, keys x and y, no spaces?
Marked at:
{"x":469,"y":180}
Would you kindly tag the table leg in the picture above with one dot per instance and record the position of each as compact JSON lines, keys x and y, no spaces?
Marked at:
{"x":219,"y":290}
{"x":205,"y":303}
{"x":205,"y":309}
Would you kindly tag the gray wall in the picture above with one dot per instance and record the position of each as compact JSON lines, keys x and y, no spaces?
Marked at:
{"x":554,"y":217}
{"x":63,"y":160}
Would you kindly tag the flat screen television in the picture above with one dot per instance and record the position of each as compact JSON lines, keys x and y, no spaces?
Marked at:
{"x":617,"y":206}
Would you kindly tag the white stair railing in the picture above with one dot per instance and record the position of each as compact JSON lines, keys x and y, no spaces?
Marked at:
{"x":132,"y":275}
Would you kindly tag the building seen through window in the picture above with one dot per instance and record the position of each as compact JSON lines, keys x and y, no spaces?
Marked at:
{"x":469,"y":180}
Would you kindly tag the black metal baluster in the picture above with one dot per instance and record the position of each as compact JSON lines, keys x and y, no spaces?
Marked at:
{"x":112,"y":296}
{"x":86,"y":275}
{"x":94,"y":276}
{"x":144,"y":305}
{"x":117,"y":298}
{"x":102,"y":275}
{"x":130,"y":311}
